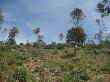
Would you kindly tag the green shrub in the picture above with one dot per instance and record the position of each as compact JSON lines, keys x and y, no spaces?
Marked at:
{"x":2,"y":67}
{"x":71,"y":78}
{"x":43,"y":79}
{"x":69,"y":53}
{"x":96,"y":52}
{"x":38,"y":69}
{"x":100,"y":80}
{"x":20,"y":75}
{"x":84,"y":76}
{"x":21,"y":57}
{"x":54,"y":52}
{"x":65,"y":66}
{"x":106,"y":67}
{"x":60,"y":46}
{"x":36,"y":53}
{"x":76,"y":76}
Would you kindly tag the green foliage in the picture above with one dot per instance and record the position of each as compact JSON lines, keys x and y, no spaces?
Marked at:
{"x":69,"y":78}
{"x":76,"y":35}
{"x":84,"y":76}
{"x":60,"y":46}
{"x":76,"y":76}
{"x":20,"y":75}
{"x":77,"y":16}
{"x":51,"y":46}
{"x":2,"y":68}
{"x":37,"y":52}
{"x":100,"y":80}
{"x":28,"y":44}
{"x":99,"y":36}
{"x":96,"y":52}
{"x":36,"y":31}
{"x":38,"y":69}
{"x":12,"y":34}
{"x":1,"y":17}
{"x":70,"y":52}
{"x":104,"y":8}
{"x":65,"y":66}
{"x":106,"y":68}
{"x":91,"y":45}
{"x":61,"y":36}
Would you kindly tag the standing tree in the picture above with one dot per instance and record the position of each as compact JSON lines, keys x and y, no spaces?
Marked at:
{"x":12,"y":34}
{"x":1,"y":17}
{"x":36,"y":31}
{"x":40,"y":41}
{"x":104,"y":7}
{"x":61,"y":36}
{"x":102,"y":34}
{"x":76,"y":34}
{"x":99,"y":36}
{"x":76,"y":17}
{"x":40,"y":38}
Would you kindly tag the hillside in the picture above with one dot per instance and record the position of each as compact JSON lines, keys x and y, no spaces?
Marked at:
{"x":29,"y":64}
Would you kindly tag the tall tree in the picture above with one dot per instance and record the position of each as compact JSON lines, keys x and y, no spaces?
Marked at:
{"x":61,"y":36}
{"x":36,"y":31}
{"x":99,"y":36}
{"x":76,"y":17}
{"x":12,"y":34}
{"x":1,"y":17}
{"x":76,"y":34}
{"x":40,"y":38}
{"x":104,"y":7}
{"x":102,"y":34}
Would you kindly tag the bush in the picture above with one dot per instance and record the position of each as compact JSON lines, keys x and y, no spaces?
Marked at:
{"x":96,"y":52}
{"x":100,"y":80}
{"x":76,"y":76}
{"x":69,"y":53}
{"x":84,"y":76}
{"x":71,"y":78}
{"x":38,"y":69}
{"x":60,"y":46}
{"x":36,"y":53}
{"x":20,"y":75}
{"x":106,"y":67}
{"x":65,"y":66}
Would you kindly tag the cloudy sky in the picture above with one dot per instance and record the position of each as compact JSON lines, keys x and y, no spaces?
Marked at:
{"x":51,"y":15}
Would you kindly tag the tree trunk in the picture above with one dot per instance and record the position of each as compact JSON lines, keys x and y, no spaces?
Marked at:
{"x":75,"y":51}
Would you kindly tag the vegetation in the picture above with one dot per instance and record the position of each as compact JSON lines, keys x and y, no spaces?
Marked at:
{"x":76,"y":60}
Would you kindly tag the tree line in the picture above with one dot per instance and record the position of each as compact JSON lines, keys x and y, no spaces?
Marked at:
{"x":76,"y":35}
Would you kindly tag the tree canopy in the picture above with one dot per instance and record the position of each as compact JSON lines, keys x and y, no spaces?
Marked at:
{"x":12,"y":34}
{"x":1,"y":17}
{"x":77,"y":16}
{"x":76,"y":36}
{"x":104,"y":7}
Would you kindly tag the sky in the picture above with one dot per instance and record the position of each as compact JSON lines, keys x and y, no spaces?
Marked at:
{"x":52,"y":16}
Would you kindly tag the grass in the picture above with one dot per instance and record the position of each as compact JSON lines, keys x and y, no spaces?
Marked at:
{"x":53,"y":65}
